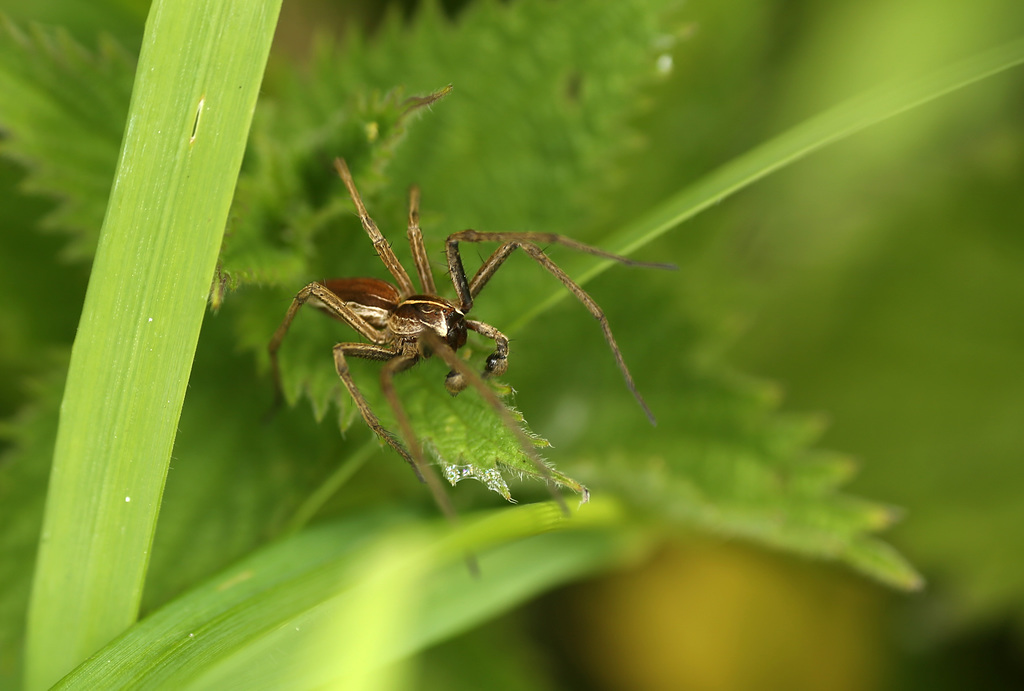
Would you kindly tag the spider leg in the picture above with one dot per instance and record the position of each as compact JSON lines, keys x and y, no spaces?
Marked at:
{"x":419,"y":252}
{"x":396,"y":361}
{"x":335,"y":307}
{"x":443,"y":351}
{"x":380,"y":243}
{"x":415,"y":454}
{"x":467,"y":290}
{"x":497,"y":362}
{"x":369,"y":351}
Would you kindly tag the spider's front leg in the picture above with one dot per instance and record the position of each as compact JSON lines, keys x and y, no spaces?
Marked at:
{"x":397,"y":360}
{"x":496,"y":364}
{"x":369,"y":351}
{"x":529,"y":242}
{"x":321,"y":296}
{"x":403,"y":361}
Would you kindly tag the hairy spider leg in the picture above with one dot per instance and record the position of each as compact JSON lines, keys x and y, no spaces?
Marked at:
{"x":467,"y":290}
{"x":387,"y":376}
{"x":419,"y":251}
{"x":336,"y":308}
{"x":369,"y":351}
{"x":380,"y":243}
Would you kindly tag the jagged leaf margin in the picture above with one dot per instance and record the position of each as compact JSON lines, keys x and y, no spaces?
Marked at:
{"x":63,"y":110}
{"x":24,"y":470}
{"x":584,"y":87}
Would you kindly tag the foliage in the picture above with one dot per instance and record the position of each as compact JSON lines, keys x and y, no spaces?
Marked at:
{"x":528,"y":139}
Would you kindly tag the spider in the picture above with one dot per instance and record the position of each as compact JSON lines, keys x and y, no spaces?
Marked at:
{"x":403,"y":326}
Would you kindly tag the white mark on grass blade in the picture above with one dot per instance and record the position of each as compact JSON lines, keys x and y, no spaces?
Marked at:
{"x":199,"y":115}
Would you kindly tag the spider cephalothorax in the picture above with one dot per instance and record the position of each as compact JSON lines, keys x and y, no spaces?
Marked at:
{"x":403,"y":326}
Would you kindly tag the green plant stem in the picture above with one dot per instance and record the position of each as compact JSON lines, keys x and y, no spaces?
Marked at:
{"x":331,"y":485}
{"x":196,"y":84}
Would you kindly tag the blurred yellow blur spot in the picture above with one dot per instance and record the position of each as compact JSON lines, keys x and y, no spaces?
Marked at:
{"x":717,"y":617}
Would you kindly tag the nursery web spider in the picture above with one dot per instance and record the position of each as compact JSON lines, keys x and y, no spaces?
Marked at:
{"x":403,"y":326}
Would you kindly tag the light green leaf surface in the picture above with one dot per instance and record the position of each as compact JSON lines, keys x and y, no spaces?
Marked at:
{"x":199,"y":73}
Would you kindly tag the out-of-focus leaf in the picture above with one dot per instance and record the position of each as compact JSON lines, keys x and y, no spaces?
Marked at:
{"x":723,"y":459}
{"x":24,"y":470}
{"x":910,"y":336}
{"x":327,"y":589}
{"x":63,"y":109}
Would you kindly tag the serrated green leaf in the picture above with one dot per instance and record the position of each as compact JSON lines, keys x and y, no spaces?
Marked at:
{"x":62,"y":108}
{"x":289,"y":191}
{"x":465,"y":436}
{"x":24,"y":469}
{"x":724,"y":461}
{"x":536,"y":132}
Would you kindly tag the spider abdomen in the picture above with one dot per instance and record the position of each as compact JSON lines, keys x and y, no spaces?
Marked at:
{"x":371,"y":298}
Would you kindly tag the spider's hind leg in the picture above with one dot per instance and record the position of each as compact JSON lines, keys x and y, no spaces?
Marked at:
{"x":496,"y":364}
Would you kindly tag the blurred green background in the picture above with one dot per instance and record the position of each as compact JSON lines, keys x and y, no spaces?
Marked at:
{"x":879,"y":283}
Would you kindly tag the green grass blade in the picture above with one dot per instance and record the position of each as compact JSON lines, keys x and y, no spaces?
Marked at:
{"x":198,"y":77}
{"x":343,"y":600}
{"x":827,"y":128}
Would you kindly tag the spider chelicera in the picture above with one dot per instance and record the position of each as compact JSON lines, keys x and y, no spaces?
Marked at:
{"x":403,"y":326}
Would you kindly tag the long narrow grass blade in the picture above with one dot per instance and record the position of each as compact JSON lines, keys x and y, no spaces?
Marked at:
{"x":198,"y":76}
{"x":827,"y":128}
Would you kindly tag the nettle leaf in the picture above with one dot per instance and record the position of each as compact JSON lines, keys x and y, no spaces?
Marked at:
{"x":723,"y":459}
{"x":465,"y":436}
{"x":63,"y":110}
{"x":528,"y":134}
{"x":289,"y":191}
{"x":24,"y":470}
{"x":730,"y":464}
{"x":489,"y":164}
